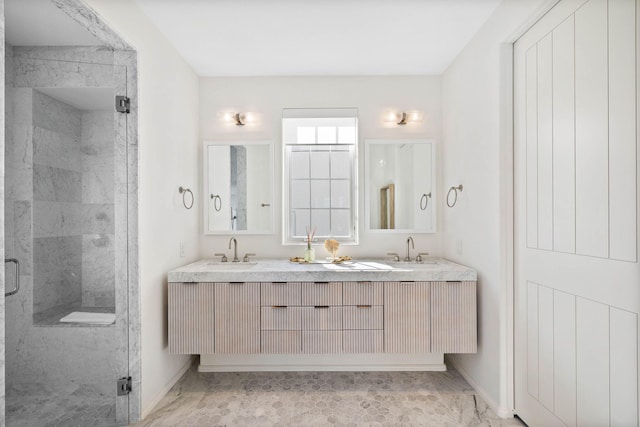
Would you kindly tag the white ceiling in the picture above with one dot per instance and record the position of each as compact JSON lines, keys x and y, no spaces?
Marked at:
{"x":40,"y":23}
{"x":318,"y":37}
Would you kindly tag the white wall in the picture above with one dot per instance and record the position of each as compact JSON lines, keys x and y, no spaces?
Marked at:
{"x":267,"y":96}
{"x":168,"y":150}
{"x":476,"y":92}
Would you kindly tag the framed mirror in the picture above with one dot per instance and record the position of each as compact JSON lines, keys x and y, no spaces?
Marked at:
{"x":238,"y":187}
{"x":400,"y":186}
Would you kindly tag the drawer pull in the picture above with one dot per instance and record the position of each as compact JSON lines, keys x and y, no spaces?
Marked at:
{"x":236,"y":283}
{"x":363,"y":306}
{"x":320,"y":306}
{"x":278,"y":306}
{"x":322,"y":283}
{"x":279,"y":283}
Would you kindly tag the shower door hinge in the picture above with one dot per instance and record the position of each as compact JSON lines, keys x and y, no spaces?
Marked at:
{"x":122,"y":104}
{"x":124,"y":386}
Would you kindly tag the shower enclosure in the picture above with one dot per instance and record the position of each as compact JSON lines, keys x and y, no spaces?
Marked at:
{"x":66,"y":213}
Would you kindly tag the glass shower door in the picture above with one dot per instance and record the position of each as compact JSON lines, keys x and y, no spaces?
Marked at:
{"x":65,"y":222}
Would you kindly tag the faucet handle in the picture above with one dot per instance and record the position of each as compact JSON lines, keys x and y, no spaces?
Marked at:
{"x":246,"y":257}
{"x":396,"y":257}
{"x":224,"y":257}
{"x":419,"y":257}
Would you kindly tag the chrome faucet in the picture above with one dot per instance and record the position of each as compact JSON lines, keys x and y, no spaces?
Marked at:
{"x":409,"y":239}
{"x":235,"y":249}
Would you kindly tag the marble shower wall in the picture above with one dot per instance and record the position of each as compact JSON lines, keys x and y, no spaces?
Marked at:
{"x":57,"y":202}
{"x":98,"y":252}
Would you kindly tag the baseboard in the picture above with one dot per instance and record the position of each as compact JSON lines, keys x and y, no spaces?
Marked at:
{"x":500,"y":411}
{"x":146,"y":411}
{"x":319,"y":368}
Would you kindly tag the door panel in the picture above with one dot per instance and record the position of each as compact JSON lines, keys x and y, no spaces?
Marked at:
{"x":577,"y":298}
{"x":237,"y":318}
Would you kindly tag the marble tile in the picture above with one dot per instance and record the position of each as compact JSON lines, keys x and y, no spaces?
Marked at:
{"x":54,"y":184}
{"x":56,"y":149}
{"x":51,"y":219}
{"x":19,"y":183}
{"x":97,"y":186}
{"x":36,"y":73}
{"x":98,"y":270}
{"x":91,"y":54}
{"x":3,"y":126}
{"x":97,"y":218}
{"x":56,"y":116}
{"x":19,"y":148}
{"x":89,"y":20}
{"x":323,"y":398}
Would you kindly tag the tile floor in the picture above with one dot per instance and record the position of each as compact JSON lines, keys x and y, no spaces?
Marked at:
{"x":323,"y":398}
{"x":35,"y":406}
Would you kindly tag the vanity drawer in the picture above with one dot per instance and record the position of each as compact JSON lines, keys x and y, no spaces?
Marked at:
{"x":322,"y":317}
{"x":363,"y":293}
{"x":288,"y":342}
{"x":363,"y":341}
{"x":322,"y":342}
{"x":362,"y":317}
{"x":280,"y":318}
{"x":280,"y":293}
{"x":322,"y":293}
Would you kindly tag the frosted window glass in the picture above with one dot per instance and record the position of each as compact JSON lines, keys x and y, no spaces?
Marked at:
{"x":320,"y":164}
{"x":341,"y":164}
{"x":320,"y":196}
{"x":347,"y":135}
{"x":341,"y":194}
{"x":299,"y":164}
{"x":300,"y":220}
{"x":300,"y":197}
{"x":340,"y":220}
{"x":326,"y":134}
{"x":321,"y":218}
{"x":306,"y":135}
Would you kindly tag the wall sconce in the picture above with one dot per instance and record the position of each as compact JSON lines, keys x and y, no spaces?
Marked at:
{"x":403,"y":118}
{"x":238,"y":119}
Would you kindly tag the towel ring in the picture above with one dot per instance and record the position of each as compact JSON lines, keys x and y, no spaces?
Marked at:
{"x":455,"y":193}
{"x":425,"y":198}
{"x":184,"y":191}
{"x":217,"y":202}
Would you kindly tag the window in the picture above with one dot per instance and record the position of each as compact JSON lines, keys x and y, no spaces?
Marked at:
{"x":320,"y":152}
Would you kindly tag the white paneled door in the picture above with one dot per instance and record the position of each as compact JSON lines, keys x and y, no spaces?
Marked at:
{"x":577,"y":276}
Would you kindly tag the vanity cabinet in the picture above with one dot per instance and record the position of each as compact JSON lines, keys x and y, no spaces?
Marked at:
{"x":237,"y":318}
{"x":191,"y":318}
{"x":404,"y":317}
{"x":453,"y":317}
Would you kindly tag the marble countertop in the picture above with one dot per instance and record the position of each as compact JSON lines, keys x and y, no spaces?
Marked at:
{"x":278,"y":270}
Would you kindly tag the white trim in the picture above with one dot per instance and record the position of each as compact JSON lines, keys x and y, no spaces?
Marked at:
{"x":501,"y":412}
{"x":321,"y":362}
{"x":321,"y":368}
{"x":146,"y":411}
{"x":507,"y":196}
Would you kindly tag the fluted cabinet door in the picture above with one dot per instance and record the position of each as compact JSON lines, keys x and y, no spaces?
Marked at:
{"x":406,"y":317}
{"x":453,"y":317}
{"x":191,"y":321}
{"x":237,"y":317}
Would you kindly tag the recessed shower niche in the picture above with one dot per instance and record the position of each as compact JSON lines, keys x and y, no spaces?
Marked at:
{"x":73,"y":202}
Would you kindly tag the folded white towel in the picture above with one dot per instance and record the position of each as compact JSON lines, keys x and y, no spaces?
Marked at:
{"x":93,"y":318}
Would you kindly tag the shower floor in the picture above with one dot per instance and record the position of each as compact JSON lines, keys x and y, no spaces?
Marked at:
{"x":30,"y":406}
{"x":52,"y":316}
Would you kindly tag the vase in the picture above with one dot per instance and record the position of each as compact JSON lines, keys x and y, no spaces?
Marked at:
{"x":309,"y":255}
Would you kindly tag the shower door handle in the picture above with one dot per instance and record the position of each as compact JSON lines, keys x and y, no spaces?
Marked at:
{"x":17,"y":271}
